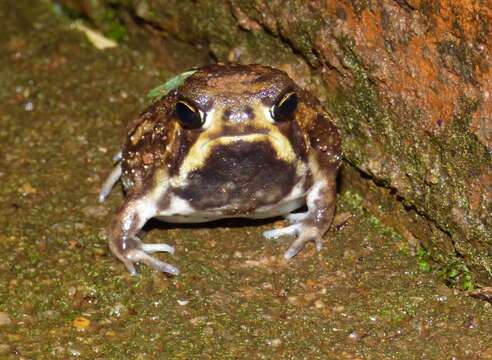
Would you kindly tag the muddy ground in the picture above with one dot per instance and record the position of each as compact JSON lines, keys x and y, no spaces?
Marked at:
{"x":63,"y":109}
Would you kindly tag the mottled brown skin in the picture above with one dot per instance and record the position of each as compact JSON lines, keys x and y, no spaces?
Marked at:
{"x":240,"y":163}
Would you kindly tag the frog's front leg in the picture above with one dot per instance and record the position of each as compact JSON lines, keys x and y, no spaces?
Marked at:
{"x":124,"y":242}
{"x":321,"y":209}
{"x":311,"y":225}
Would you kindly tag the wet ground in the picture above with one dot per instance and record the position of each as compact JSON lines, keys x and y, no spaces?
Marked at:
{"x":63,"y":109}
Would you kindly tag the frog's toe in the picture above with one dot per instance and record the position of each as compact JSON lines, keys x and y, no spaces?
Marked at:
{"x":305,"y":237}
{"x":285,"y":231}
{"x":130,"y":266}
{"x":136,"y":251}
{"x":296,"y":217}
{"x":152,"y":248}
{"x":118,"y":156}
{"x":161,"y":266}
{"x":110,"y":182}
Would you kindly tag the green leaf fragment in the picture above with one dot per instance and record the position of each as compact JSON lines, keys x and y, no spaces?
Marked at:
{"x":171,"y":84}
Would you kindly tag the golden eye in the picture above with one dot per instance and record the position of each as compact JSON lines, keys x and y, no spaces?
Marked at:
{"x":285,"y":108}
{"x":188,"y":115}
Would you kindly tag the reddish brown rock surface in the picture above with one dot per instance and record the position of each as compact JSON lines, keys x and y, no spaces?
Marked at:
{"x":409,"y":83}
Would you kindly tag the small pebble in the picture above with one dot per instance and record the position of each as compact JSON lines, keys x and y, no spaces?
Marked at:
{"x":27,"y":189}
{"x":294,"y":300}
{"x":252,"y":263}
{"x":14,"y":337}
{"x":318,"y":304}
{"x":472,"y":322}
{"x":50,"y":314}
{"x":81,"y":323}
{"x":74,"y":352}
{"x":198,"y":320}
{"x":97,"y":211}
{"x":29,"y":106}
{"x":442,"y":298}
{"x":275,"y":342}
{"x":354,"y":336}
{"x":338,"y":308}
{"x":5,"y":319}
{"x":72,"y":244}
{"x":118,"y":310}
{"x":4,"y":349}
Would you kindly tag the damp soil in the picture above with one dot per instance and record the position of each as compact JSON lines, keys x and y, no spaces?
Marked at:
{"x":63,"y":109}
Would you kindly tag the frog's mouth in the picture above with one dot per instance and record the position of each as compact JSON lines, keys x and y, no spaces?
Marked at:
{"x":277,"y":142}
{"x":278,"y":146}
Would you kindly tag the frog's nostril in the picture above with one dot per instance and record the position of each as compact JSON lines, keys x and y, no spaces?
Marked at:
{"x":226,"y":115}
{"x":248,"y":111}
{"x":238,"y":116}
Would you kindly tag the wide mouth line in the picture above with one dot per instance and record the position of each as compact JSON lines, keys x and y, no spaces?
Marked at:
{"x":256,"y":137}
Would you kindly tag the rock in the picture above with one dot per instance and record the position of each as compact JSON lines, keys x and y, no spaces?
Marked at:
{"x":5,"y":319}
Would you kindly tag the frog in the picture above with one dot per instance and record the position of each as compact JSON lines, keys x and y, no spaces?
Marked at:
{"x":231,"y":141}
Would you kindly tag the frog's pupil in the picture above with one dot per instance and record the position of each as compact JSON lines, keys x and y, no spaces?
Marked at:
{"x":188,"y":116}
{"x":285,"y":108}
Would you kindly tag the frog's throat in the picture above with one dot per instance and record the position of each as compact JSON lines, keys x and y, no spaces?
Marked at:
{"x":203,"y":149}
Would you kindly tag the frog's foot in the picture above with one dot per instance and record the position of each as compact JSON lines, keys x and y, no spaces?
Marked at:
{"x":296,"y":217}
{"x":290,"y":230}
{"x":118,"y":156}
{"x":307,"y":234}
{"x":109,"y":183}
{"x":136,"y":251}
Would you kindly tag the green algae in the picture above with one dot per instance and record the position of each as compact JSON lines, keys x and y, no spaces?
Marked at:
{"x":461,"y":57}
{"x":105,"y":17}
{"x":114,"y":27}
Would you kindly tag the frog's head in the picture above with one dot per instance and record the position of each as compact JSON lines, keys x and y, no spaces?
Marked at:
{"x":235,"y":100}
{"x":239,"y":113}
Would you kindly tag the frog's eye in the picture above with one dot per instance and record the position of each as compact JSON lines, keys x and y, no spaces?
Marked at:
{"x":285,"y":108}
{"x":189,"y":116}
